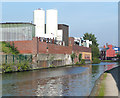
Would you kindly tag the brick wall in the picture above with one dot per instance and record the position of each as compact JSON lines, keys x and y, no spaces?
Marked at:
{"x":35,"y":46}
{"x":71,"y":41}
{"x":23,"y":46}
{"x":110,"y":53}
{"x":58,"y":49}
{"x":81,"y":48}
{"x":26,"y":47}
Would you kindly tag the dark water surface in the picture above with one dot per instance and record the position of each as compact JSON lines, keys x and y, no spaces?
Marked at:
{"x":64,"y":81}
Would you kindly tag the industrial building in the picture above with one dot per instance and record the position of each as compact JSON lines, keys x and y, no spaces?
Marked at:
{"x":63,"y":32}
{"x":51,"y":29}
{"x":15,"y":31}
{"x":81,"y":42}
{"x":48,"y":29}
{"x":45,"y":26}
{"x":45,"y":36}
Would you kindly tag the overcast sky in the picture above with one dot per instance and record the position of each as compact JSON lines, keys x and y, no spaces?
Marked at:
{"x":100,"y":18}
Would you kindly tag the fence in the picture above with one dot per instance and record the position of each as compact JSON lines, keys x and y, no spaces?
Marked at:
{"x":15,"y":58}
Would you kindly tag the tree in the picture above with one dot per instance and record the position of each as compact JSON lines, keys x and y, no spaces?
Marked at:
{"x":80,"y":56}
{"x":94,"y":46}
{"x":73,"y":57}
{"x":91,"y":37}
{"x":95,"y":51}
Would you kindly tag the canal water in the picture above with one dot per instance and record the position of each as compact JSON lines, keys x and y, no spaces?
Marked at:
{"x":64,"y":81}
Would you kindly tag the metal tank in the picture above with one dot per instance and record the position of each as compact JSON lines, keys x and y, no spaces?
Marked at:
{"x":39,"y":21}
{"x":51,"y":22}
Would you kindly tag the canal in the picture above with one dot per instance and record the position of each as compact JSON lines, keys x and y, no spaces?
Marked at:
{"x":64,"y":81}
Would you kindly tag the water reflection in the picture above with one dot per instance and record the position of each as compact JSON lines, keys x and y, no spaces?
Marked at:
{"x":64,"y":85}
{"x":65,"y":81}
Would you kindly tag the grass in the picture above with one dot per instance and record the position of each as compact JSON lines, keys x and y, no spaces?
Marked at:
{"x":102,"y":86}
{"x":107,"y":61}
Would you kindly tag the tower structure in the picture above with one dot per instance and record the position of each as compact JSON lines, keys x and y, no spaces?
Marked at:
{"x":39,"y":21}
{"x":51,"y":22}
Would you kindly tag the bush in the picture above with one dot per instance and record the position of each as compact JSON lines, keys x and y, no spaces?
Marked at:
{"x":82,"y":61}
{"x":52,"y":66}
{"x":16,"y":67}
{"x":96,"y":61}
{"x":77,"y":62}
{"x":23,"y":66}
{"x":7,"y":68}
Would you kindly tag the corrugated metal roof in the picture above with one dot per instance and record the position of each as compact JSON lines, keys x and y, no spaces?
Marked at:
{"x":17,"y":23}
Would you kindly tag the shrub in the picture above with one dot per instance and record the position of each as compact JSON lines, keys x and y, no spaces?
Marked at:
{"x":8,"y":68}
{"x":82,"y":61}
{"x":77,"y":62}
{"x":51,"y":66}
{"x":16,"y":67}
{"x":96,"y":61}
{"x":23,"y":66}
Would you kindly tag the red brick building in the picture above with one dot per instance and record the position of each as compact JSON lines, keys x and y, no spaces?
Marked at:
{"x":107,"y":53}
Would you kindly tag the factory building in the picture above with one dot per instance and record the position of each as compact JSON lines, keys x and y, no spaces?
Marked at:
{"x":51,"y":29}
{"x":16,"y":31}
{"x":81,"y":42}
{"x":64,"y":31}
{"x":48,"y":30}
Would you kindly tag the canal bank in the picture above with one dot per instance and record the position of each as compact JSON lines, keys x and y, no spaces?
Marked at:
{"x":11,"y":63}
{"x":108,"y":83}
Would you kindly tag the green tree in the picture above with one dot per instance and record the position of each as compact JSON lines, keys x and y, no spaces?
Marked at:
{"x":73,"y":57}
{"x":91,"y":37}
{"x":80,"y":56}
{"x":95,"y":51}
{"x":94,"y":46}
{"x":8,"y":48}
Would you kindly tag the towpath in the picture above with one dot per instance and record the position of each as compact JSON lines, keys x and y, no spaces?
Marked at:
{"x":112,"y":82}
{"x":111,"y":88}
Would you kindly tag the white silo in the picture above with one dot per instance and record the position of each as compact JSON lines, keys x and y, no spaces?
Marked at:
{"x":39,"y":21}
{"x":51,"y":22}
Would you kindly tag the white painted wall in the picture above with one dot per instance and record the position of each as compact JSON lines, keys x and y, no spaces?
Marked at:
{"x":60,"y":35}
{"x":49,"y":36}
{"x":39,"y":21}
{"x":88,"y":43}
{"x":51,"y":22}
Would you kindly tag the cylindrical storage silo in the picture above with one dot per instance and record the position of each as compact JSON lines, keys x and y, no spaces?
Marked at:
{"x":39,"y":21}
{"x":51,"y":22}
